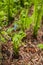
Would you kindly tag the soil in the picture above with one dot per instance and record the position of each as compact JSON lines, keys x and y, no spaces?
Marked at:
{"x":29,"y":53}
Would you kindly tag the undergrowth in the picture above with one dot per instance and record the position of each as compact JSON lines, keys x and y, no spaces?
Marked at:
{"x":19,"y":9}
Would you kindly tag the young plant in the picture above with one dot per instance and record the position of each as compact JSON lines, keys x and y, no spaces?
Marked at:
{"x":17,"y":41}
{"x":38,"y":15}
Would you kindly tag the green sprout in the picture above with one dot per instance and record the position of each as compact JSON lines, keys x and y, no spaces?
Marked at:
{"x":17,"y":41}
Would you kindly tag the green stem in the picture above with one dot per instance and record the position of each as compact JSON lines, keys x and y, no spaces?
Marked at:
{"x":37,"y":21}
{"x":9,"y":14}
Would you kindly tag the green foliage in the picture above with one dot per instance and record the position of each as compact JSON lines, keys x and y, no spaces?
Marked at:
{"x":10,"y":8}
{"x":7,"y":8}
{"x":40,"y":46}
{"x":22,"y":3}
{"x":2,"y":39}
{"x":17,"y":40}
{"x":20,"y":10}
{"x":25,"y":21}
{"x":2,"y":18}
{"x":28,"y":64}
{"x":5,"y":35}
{"x":10,"y":30}
{"x":37,"y":16}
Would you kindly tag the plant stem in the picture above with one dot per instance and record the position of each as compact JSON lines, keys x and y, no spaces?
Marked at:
{"x":9,"y":13}
{"x":39,"y":15}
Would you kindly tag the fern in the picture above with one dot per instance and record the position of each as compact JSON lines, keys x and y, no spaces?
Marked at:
{"x":17,"y":41}
{"x":38,"y":15}
{"x":25,"y":21}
